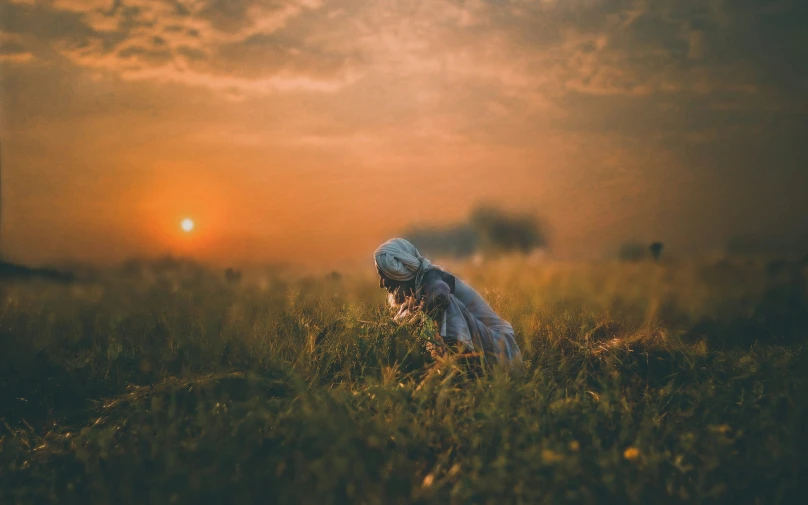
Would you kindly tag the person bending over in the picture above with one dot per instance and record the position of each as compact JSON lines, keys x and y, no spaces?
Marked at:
{"x":464,"y":319}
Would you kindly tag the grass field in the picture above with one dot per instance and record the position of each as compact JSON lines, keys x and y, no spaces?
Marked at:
{"x":644,"y":383}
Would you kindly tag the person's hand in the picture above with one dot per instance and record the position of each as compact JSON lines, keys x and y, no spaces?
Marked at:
{"x":437,"y":302}
{"x":436,"y":349}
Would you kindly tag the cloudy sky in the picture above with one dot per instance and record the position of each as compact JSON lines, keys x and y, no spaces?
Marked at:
{"x":305,"y":130}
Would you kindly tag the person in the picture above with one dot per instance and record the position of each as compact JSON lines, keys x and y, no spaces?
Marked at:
{"x":464,"y":319}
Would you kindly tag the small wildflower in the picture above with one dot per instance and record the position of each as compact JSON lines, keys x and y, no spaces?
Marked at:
{"x":280,"y":468}
{"x":723,"y":429}
{"x":631,"y":453}
{"x":428,"y":480}
{"x":550,"y":456}
{"x":575,"y":446}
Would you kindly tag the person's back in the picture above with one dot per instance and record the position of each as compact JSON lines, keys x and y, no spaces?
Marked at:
{"x":480,"y":308}
{"x":469,"y":319}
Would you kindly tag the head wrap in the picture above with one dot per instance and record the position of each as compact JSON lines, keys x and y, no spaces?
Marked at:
{"x":399,"y":260}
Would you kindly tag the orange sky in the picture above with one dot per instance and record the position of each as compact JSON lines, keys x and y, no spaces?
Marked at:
{"x":306,"y":130}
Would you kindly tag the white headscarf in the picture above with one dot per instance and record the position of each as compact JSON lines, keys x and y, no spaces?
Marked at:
{"x":399,"y":260}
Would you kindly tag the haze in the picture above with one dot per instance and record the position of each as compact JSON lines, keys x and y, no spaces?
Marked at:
{"x":310,"y":131}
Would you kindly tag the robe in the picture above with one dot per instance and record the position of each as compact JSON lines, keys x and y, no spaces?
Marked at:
{"x":464,"y":317}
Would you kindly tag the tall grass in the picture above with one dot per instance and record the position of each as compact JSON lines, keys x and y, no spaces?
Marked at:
{"x":643,"y":383}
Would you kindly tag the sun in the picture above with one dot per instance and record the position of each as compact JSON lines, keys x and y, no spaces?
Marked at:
{"x":187,"y":225}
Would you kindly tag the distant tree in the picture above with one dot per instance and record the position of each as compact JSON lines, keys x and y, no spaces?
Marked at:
{"x":498,"y":231}
{"x":488,"y":230}
{"x":656,"y":250}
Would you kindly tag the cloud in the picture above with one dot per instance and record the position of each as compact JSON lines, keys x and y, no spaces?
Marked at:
{"x":527,"y":55}
{"x":474,"y":71}
{"x":16,"y":57}
{"x":218,"y":44}
{"x":12,"y":50}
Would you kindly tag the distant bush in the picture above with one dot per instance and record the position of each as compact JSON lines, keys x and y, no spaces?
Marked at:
{"x":656,"y":250}
{"x":502,"y":232}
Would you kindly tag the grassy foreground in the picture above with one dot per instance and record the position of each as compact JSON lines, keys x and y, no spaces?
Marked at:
{"x":643,"y":383}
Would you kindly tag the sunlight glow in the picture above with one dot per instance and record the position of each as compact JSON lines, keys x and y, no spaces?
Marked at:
{"x":187,"y":225}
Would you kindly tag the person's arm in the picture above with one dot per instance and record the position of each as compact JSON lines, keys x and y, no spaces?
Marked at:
{"x":438,"y":286}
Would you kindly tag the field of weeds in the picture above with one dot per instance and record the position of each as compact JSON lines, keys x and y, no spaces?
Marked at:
{"x":643,"y":383}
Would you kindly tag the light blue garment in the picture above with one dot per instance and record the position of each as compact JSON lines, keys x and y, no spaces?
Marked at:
{"x":470,"y":320}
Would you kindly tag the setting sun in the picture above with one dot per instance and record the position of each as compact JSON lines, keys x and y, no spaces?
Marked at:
{"x":187,"y":225}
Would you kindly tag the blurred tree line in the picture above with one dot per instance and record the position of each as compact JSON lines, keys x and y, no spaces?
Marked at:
{"x":487,"y":230}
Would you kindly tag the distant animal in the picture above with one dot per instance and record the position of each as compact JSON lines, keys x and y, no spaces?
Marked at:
{"x":464,"y":320}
